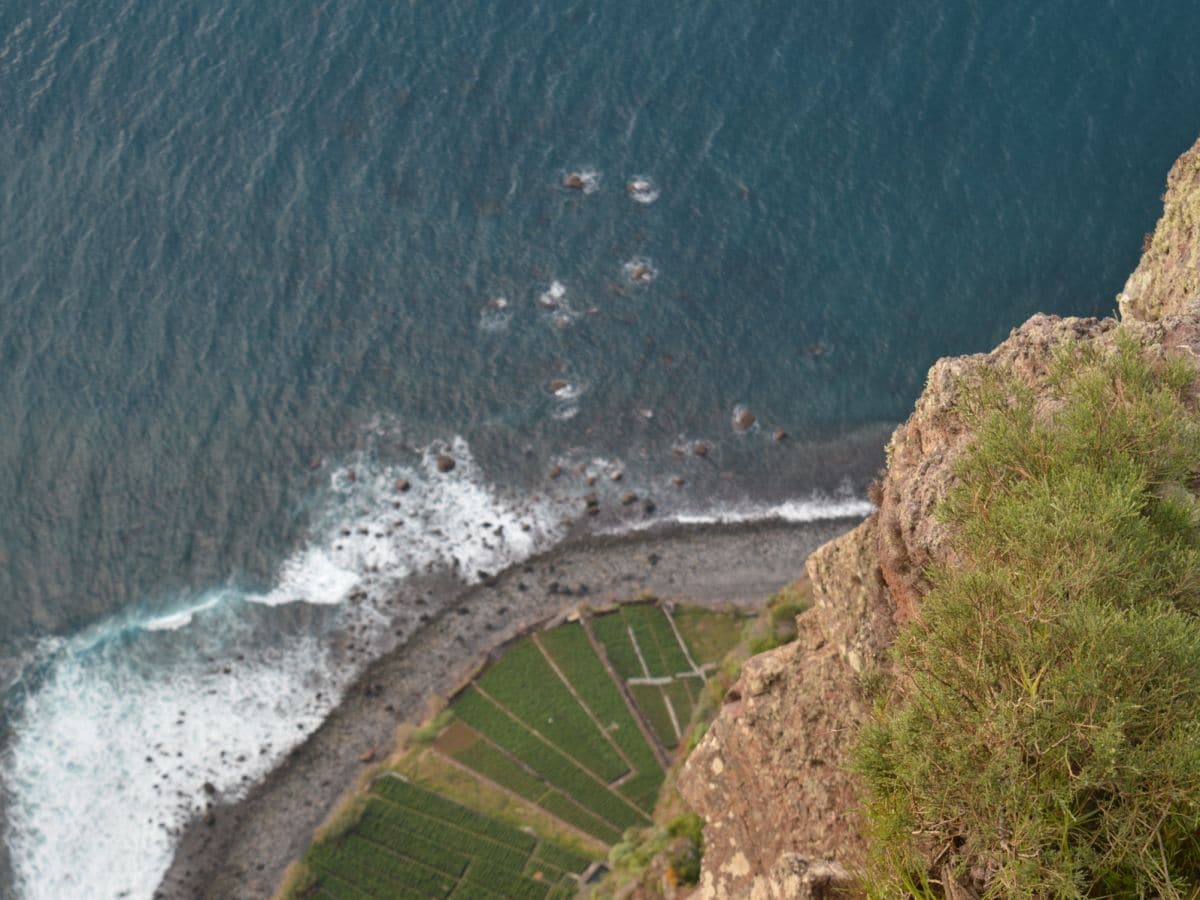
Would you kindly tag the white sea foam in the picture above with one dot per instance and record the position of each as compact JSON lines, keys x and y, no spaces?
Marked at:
{"x":495,"y":315}
{"x":122,"y":726}
{"x":817,"y":508}
{"x":639,"y":271}
{"x":641,"y":189}
{"x":814,"y":509}
{"x":568,"y":391}
{"x":587,"y":180}
{"x":114,"y":747}
{"x":173,"y":621}
{"x":552,"y":297}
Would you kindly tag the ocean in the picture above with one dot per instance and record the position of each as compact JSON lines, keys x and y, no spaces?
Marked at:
{"x":261,"y":264}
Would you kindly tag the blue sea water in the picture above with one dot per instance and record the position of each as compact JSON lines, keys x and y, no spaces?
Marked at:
{"x":249,"y":259}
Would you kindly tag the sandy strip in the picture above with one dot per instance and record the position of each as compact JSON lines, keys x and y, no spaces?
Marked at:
{"x":241,"y":850}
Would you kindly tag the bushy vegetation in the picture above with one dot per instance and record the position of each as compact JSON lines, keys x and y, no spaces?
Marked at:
{"x":1041,"y":736}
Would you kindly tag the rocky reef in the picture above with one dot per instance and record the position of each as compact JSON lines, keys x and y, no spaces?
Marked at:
{"x":770,"y":777}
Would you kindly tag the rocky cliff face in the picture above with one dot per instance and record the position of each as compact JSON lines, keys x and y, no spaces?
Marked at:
{"x":1169,"y":273}
{"x":769,"y":777}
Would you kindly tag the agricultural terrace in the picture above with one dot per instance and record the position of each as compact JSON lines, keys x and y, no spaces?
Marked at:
{"x":569,"y":732}
{"x":411,"y":843}
{"x":581,"y":720}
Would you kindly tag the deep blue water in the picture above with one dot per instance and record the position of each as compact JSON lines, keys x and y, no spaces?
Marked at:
{"x":246,"y":252}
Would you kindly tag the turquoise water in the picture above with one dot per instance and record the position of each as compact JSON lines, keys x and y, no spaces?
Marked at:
{"x":246,"y":259}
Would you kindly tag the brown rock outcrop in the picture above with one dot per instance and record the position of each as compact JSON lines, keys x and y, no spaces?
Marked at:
{"x":1168,"y":275}
{"x":770,"y":776}
{"x":780,"y":811}
{"x":923,"y":451}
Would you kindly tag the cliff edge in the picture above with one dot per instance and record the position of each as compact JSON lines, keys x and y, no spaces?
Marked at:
{"x":770,"y":777}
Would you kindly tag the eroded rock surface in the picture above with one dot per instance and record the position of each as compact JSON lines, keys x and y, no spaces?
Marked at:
{"x":780,"y":812}
{"x":1168,"y":276}
{"x":770,"y":775}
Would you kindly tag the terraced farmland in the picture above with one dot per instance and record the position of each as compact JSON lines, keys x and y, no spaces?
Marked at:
{"x":589,"y":711}
{"x":575,"y":725}
{"x":411,"y":843}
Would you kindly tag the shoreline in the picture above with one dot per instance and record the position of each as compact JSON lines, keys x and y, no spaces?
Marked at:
{"x":241,"y":848}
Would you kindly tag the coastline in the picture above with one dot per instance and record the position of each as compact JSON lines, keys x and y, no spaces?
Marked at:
{"x":241,"y":848}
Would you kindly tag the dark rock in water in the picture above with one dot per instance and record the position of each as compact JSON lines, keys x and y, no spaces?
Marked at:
{"x":678,"y":482}
{"x":401,"y":484}
{"x":780,"y":435}
{"x":591,"y":500}
{"x":648,"y":507}
{"x":554,"y":472}
{"x":641,"y":273}
{"x":574,"y":181}
{"x":557,"y":385}
{"x":445,"y":463}
{"x":629,"y":499}
{"x":743,"y":419}
{"x":617,"y":476}
{"x":352,"y":475}
{"x":209,"y":788}
{"x":700,"y":448}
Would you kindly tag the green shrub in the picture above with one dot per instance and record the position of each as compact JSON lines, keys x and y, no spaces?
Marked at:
{"x":1042,"y":731}
{"x":428,"y":733}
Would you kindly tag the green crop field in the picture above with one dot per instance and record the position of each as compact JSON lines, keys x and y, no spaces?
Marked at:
{"x":419,"y":800}
{"x":561,"y":858}
{"x":557,"y":804}
{"x":681,"y":700}
{"x":557,"y":769}
{"x":649,"y":699}
{"x":657,"y":640}
{"x":638,"y":622}
{"x":525,"y":684}
{"x":554,"y":722}
{"x":643,"y":789}
{"x":613,"y":634}
{"x":491,"y":762}
{"x":410,"y":842}
{"x":708,"y":634}
{"x":572,"y":652}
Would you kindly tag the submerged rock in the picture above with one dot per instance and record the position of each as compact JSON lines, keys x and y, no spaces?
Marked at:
{"x":743,"y":419}
{"x":445,"y":463}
